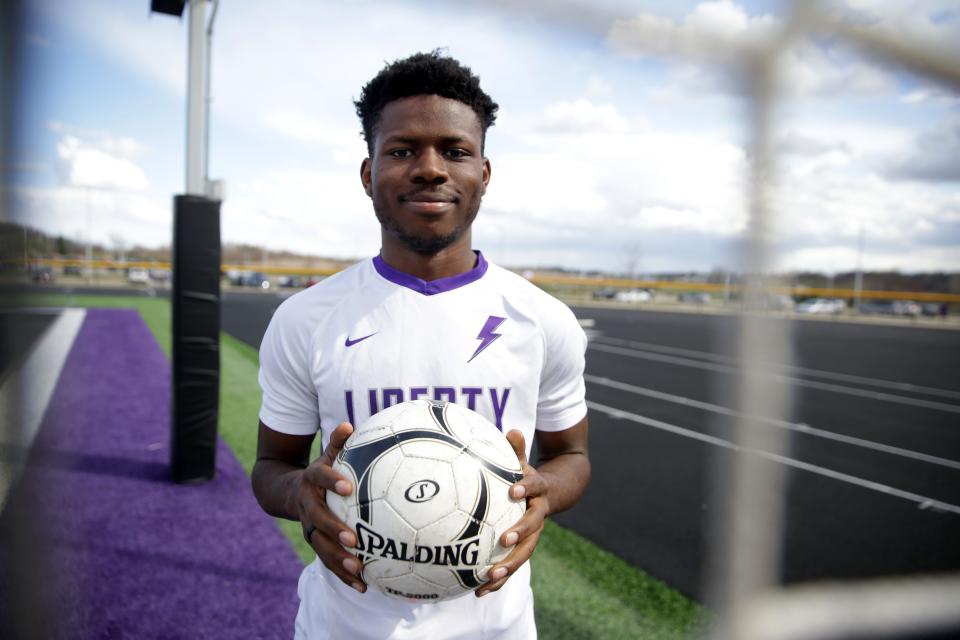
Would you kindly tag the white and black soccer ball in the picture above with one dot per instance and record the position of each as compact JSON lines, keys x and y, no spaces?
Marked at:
{"x":430,"y":498}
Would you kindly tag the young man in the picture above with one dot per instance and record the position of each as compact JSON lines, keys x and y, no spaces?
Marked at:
{"x":427,"y":318}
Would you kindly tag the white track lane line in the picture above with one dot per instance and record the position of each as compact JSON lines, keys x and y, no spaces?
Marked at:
{"x":923,"y":502}
{"x":814,"y":373}
{"x":25,"y":393}
{"x":793,"y":426}
{"x":823,"y":386}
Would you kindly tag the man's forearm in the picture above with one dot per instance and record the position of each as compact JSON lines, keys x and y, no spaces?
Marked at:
{"x":567,"y":476}
{"x":276,"y":485}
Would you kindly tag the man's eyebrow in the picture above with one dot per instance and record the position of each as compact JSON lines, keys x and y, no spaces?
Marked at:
{"x":414,"y":140}
{"x":395,"y":139}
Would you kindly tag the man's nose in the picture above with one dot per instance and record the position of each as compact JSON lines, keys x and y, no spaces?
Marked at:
{"x":430,"y":167}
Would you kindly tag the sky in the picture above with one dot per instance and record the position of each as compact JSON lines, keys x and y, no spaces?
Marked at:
{"x":623,"y":142}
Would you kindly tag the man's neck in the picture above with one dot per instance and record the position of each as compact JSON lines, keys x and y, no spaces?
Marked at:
{"x":452,"y":261}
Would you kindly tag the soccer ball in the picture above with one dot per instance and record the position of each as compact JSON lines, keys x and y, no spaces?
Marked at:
{"x":430,"y":499}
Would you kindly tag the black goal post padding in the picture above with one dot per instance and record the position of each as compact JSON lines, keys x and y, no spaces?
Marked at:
{"x":196,"y":338}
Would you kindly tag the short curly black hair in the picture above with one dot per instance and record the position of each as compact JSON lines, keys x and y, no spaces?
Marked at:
{"x":423,"y":74}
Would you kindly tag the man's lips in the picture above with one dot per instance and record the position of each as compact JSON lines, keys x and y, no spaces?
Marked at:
{"x":427,"y":207}
{"x":423,"y":196}
{"x":428,"y":202}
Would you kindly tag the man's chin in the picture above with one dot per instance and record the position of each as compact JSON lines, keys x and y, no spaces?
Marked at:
{"x":431,"y":245}
{"x":424,"y":244}
{"x":425,"y":241}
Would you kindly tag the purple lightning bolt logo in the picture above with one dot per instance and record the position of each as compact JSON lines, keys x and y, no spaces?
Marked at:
{"x":487,"y":335}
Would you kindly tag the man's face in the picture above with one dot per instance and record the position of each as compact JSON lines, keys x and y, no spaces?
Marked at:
{"x":427,"y":174}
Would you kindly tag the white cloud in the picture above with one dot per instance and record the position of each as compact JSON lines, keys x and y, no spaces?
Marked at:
{"x":582,"y":116}
{"x":934,"y":156}
{"x":84,"y":165}
{"x":709,"y":48}
{"x":717,"y":31}
{"x":547,"y":186}
{"x":837,"y":259}
{"x":95,"y":214}
{"x":107,"y":142}
{"x":343,"y":145}
{"x":633,"y":182}
{"x":822,"y":215}
{"x":311,"y":211}
{"x":930,"y":95}
{"x":597,"y":86}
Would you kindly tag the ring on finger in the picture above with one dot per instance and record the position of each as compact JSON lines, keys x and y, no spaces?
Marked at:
{"x":308,"y":534}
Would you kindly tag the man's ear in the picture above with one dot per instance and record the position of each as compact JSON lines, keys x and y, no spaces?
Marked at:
{"x":365,"y":177}
{"x":486,"y":175}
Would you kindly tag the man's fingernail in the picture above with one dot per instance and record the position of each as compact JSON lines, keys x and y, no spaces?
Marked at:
{"x":351,"y":565}
{"x":480,"y":594}
{"x":511,"y":539}
{"x":498,"y":573}
{"x":357,"y":586}
{"x":519,"y":491}
{"x":345,"y":538}
{"x":342,"y":487}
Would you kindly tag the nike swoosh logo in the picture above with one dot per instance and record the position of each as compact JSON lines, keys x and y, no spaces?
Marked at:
{"x":350,"y":343}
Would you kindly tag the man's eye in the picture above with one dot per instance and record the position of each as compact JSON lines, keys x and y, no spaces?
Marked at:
{"x":401,"y":153}
{"x":456,"y":153}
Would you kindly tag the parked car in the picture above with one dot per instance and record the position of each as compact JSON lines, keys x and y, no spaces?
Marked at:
{"x":604,"y":294}
{"x":250,"y":279}
{"x":906,"y":308}
{"x":137,"y":275}
{"x":876,"y":307}
{"x":41,"y":273}
{"x":829,"y":306}
{"x":633,"y":295}
{"x":891,"y":308}
{"x":696,"y":297}
{"x":291,"y":281}
{"x":160,"y":275}
{"x":933,"y":309}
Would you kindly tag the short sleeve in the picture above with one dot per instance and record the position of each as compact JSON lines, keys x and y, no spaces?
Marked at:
{"x":562,"y":402}
{"x":289,"y":396}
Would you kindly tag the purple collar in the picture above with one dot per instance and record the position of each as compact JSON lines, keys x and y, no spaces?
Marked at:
{"x":434,"y":286}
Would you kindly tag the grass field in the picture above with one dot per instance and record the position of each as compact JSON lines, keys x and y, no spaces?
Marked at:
{"x":581,"y":591}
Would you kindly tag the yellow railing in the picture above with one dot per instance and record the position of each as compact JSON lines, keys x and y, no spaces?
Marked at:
{"x":549,"y":280}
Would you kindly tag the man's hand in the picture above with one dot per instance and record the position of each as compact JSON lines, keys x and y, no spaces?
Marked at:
{"x":326,"y":533}
{"x":526,"y":533}
{"x":554,"y":486}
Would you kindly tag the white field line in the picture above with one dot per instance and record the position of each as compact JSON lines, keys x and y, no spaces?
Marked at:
{"x":923,"y":502}
{"x":783,"y":424}
{"x":25,"y":393}
{"x":823,"y":386}
{"x":813,"y":373}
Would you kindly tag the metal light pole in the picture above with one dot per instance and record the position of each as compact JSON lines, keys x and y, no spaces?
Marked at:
{"x":858,"y":278}
{"x":196,"y":269}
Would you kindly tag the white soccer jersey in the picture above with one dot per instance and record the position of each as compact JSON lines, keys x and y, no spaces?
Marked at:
{"x":370,"y":337}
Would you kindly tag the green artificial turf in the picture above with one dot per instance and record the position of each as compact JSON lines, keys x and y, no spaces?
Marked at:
{"x":239,"y":411}
{"x":581,"y":591}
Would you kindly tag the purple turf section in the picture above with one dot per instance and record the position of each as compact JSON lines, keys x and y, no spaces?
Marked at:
{"x":134,"y":555}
